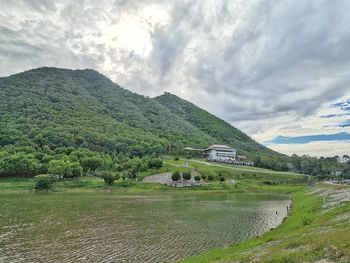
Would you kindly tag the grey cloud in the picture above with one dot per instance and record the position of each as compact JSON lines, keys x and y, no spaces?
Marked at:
{"x":248,"y":62}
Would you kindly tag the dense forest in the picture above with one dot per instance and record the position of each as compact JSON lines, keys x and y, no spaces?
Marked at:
{"x":50,"y":113}
{"x":80,"y":117}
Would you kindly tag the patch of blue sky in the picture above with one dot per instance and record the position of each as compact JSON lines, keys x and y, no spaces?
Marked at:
{"x":343,"y":136}
{"x":344,"y":105}
{"x":335,"y":115}
{"x":345,"y":124}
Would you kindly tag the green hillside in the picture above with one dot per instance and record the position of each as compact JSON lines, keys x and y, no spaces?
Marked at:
{"x":218,"y":129}
{"x":56,"y":111}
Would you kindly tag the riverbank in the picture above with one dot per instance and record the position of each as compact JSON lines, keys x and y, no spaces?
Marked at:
{"x":316,"y":230}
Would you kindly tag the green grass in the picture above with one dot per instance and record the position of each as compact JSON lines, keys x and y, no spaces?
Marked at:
{"x":250,"y":180}
{"x":239,"y":172}
{"x":310,"y":233}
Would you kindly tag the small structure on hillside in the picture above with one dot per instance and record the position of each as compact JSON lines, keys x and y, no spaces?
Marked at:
{"x":337,"y":172}
{"x":344,"y":159}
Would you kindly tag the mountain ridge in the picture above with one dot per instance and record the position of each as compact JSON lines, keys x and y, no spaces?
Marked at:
{"x":83,"y":108}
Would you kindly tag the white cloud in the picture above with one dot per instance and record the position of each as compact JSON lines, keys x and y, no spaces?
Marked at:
{"x":268,"y":67}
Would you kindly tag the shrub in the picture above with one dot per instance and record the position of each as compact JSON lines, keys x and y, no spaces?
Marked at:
{"x":210,"y":178}
{"x":176,"y":176}
{"x":203,"y":177}
{"x":197,"y":178}
{"x":44,"y":182}
{"x":108,"y":177}
{"x":222,"y":178}
{"x":177,"y":158}
{"x":186,"y":176}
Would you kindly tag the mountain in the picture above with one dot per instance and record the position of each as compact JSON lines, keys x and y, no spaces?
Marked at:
{"x":60,"y":108}
{"x":216,"y":128}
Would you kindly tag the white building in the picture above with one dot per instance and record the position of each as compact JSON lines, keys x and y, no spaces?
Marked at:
{"x":344,"y":159}
{"x":220,"y":153}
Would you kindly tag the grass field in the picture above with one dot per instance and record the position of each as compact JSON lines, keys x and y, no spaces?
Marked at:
{"x":237,"y":172}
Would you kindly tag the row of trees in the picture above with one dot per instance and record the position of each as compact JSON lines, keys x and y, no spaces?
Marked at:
{"x":70,"y":163}
{"x":321,"y":167}
{"x":176,"y":176}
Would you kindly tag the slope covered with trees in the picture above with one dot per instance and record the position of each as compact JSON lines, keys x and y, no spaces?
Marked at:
{"x":48,"y":113}
{"x":214,"y":126}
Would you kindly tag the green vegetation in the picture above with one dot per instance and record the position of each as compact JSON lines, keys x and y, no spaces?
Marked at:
{"x":310,"y":233}
{"x":250,"y":175}
{"x":221,"y":131}
{"x":321,"y":167}
{"x":176,"y":176}
{"x":109,"y":177}
{"x":81,"y":116}
{"x":44,"y":182}
{"x":186,"y":175}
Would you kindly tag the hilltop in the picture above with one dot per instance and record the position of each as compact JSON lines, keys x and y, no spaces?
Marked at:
{"x":50,"y":111}
{"x":82,"y":108}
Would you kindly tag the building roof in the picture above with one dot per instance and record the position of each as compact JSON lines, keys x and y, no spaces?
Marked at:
{"x":220,"y":147}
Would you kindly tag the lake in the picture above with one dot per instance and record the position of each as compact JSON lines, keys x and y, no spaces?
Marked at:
{"x":121,"y":227}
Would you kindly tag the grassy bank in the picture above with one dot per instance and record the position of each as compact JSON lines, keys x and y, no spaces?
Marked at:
{"x":317,"y":228}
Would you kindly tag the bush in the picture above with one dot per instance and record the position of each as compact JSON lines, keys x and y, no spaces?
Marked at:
{"x":176,"y":176}
{"x":186,"y":176}
{"x":44,"y":182}
{"x":210,"y":178}
{"x":177,"y":158}
{"x":109,"y":177}
{"x":222,"y":178}
{"x":203,"y":177}
{"x":197,"y":178}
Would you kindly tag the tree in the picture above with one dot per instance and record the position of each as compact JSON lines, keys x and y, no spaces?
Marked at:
{"x":186,"y":176}
{"x":65,"y":169}
{"x":222,"y":178}
{"x":91,"y":163}
{"x":155,"y":163}
{"x":176,"y":176}
{"x":19,"y":164}
{"x":197,"y":178}
{"x":57,"y":168}
{"x":210,"y":178}
{"x":132,"y":173}
{"x":109,"y":177}
{"x":74,"y":169}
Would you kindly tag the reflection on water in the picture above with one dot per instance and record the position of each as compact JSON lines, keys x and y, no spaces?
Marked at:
{"x":109,"y":227}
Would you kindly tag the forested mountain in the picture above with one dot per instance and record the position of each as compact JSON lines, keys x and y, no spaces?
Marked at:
{"x":51,"y":109}
{"x":218,"y":129}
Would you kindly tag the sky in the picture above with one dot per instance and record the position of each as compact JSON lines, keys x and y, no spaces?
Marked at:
{"x":277,"y":70}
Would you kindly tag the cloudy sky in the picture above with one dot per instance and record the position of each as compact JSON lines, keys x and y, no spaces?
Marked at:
{"x":278,"y":70}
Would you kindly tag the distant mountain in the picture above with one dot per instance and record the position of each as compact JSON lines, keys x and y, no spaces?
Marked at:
{"x":54,"y":108}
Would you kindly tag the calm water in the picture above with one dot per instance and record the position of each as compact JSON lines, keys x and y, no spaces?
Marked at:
{"x":110,"y":227}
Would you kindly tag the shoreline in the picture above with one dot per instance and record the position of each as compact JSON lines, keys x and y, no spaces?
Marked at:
{"x":274,"y":244}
